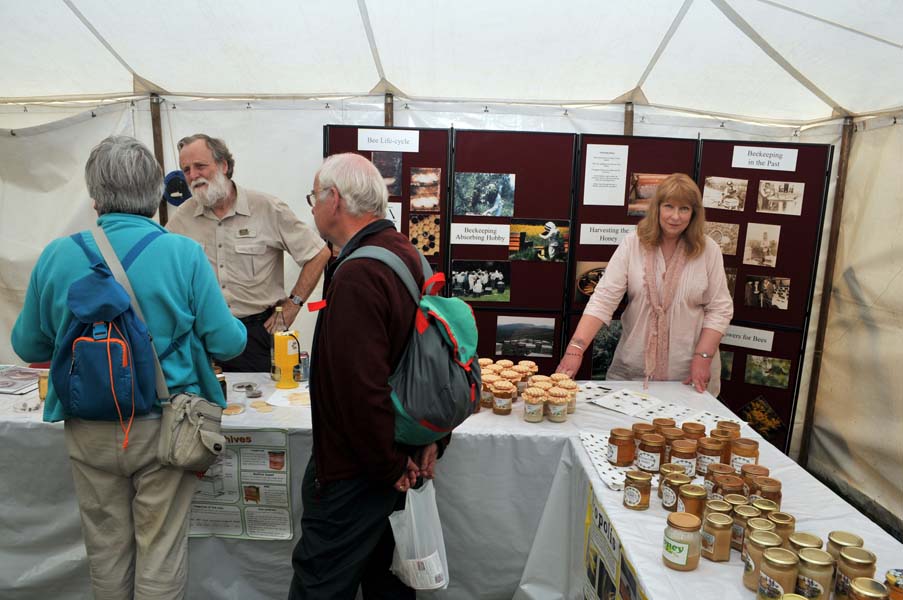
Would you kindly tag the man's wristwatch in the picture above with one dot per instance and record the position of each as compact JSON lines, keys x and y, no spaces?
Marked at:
{"x":296,"y":300}
{"x":702,"y":354}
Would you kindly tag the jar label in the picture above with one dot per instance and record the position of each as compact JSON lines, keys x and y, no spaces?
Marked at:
{"x":703,"y":461}
{"x":842,"y":587}
{"x":809,"y":588}
{"x":612,"y":453}
{"x":486,"y":397}
{"x":768,"y":587}
{"x":689,"y":465}
{"x":680,"y":503}
{"x":753,"y":498}
{"x":632,"y":496}
{"x":749,"y":565}
{"x":717,"y":496}
{"x":746,"y":489}
{"x":709,"y":486}
{"x":675,"y":552}
{"x":738,"y":461}
{"x":558,"y":410}
{"x":668,"y":496}
{"x":708,"y":542}
{"x":533,"y":410}
{"x":502,"y":403}
{"x":648,"y":461}
{"x":737,"y":535}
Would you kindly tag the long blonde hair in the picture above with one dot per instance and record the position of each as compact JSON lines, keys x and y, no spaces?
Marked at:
{"x":679,"y":189}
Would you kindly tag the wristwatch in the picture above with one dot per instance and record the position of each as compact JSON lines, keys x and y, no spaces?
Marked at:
{"x":702,"y":354}
{"x":296,"y":300}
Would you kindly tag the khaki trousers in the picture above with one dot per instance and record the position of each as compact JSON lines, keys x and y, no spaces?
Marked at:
{"x":134,"y":511}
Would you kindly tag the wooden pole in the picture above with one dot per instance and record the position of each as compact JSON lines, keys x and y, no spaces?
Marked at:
{"x":628,"y":118}
{"x":389,"y":110}
{"x":155,"y":102}
{"x":846,"y":142}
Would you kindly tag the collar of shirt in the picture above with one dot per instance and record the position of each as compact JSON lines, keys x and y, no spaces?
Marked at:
{"x":359,"y":237}
{"x":241,"y":206}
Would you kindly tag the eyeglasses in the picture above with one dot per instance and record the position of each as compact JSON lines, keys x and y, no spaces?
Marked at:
{"x":312,"y":197}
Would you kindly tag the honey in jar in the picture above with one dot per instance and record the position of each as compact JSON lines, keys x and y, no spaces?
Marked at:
{"x":503,"y":393}
{"x":815,"y":574}
{"x":754,"y":524}
{"x":683,"y":453}
{"x":725,"y":438}
{"x":716,"y":537}
{"x":641,"y":429}
{"x":671,"y":490}
{"x":768,"y":488}
{"x":755,"y":545}
{"x":691,"y":498}
{"x":670,"y":434}
{"x":747,"y":472}
{"x":637,"y":489}
{"x":800,"y":539}
{"x":571,"y":388}
{"x":784,"y":526}
{"x":838,"y":540}
{"x":664,"y":471}
{"x":727,"y":484}
{"x":715,"y":470}
{"x":682,"y":542}
{"x":558,"y":405}
{"x":489,"y":379}
{"x":534,"y":400}
{"x":777,"y":574}
{"x":741,"y":515}
{"x":621,"y":449}
{"x":744,"y":451}
{"x":853,"y":562}
{"x":708,"y":451}
{"x":650,"y":454}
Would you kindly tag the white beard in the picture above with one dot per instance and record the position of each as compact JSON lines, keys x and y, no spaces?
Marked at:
{"x":216,"y":191}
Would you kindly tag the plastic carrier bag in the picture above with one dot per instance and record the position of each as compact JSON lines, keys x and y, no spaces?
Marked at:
{"x":419,"y":560}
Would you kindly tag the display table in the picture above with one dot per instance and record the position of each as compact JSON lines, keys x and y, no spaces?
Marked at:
{"x":510,"y":494}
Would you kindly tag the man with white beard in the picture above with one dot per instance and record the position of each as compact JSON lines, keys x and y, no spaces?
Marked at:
{"x":244,"y":234}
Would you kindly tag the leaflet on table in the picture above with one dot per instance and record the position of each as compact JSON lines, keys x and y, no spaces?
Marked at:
{"x":246,"y":494}
{"x":18,"y":380}
{"x":646,"y":407}
{"x":299,"y":396}
{"x":596,"y":445}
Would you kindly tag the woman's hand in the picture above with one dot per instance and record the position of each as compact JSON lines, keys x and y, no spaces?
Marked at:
{"x":570,"y":362}
{"x":700,"y":373}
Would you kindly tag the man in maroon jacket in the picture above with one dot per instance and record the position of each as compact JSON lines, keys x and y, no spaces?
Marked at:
{"x":358,"y":474}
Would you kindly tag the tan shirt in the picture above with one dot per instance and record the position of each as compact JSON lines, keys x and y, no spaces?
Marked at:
{"x":702,"y":301}
{"x":246,"y":247}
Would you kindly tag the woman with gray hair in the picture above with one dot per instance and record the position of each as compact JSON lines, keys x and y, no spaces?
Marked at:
{"x":134,"y":511}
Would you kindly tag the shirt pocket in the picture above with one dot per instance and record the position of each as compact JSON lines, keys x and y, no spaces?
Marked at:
{"x":250,"y":258}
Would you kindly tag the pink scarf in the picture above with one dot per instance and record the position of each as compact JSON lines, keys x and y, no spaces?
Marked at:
{"x":658,"y":336}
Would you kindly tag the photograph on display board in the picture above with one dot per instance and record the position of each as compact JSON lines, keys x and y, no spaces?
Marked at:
{"x":587,"y":275}
{"x":731,"y":274}
{"x":767,"y":292}
{"x":389,"y":166}
{"x":424,"y":231}
{"x":604,"y":345}
{"x":484,"y":194}
{"x":642,"y":188}
{"x":781,"y":197}
{"x":761,"y":244}
{"x":726,"y":193}
{"x":537,"y":240}
{"x":425,"y":189}
{"x":525,"y":336}
{"x":481,"y":280}
{"x":727,"y":364}
{"x":763,"y":418}
{"x":767,"y":370}
{"x":725,"y":235}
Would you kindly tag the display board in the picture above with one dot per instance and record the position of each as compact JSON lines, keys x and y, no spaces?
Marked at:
{"x":765,"y":206}
{"x":414,"y":163}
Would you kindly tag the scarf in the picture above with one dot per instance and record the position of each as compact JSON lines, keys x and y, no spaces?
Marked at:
{"x":658,"y":335}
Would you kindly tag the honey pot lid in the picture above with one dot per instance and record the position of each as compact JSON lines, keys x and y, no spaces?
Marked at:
{"x":663,"y":421}
{"x":781,"y":518}
{"x":844,"y":538}
{"x":815,"y":556}
{"x":765,"y":504}
{"x":765,"y":539}
{"x":745,"y":510}
{"x":866,"y":587}
{"x":678,"y":479}
{"x":653,"y":439}
{"x":780,"y":556}
{"x":672,"y":432}
{"x":643,"y":427}
{"x":760,"y":524}
{"x":684,"y":521}
{"x":693,"y":491}
{"x":719,"y":520}
{"x":692,"y":426}
{"x":805,"y":540}
{"x":735,"y":499}
{"x":718,"y":506}
{"x":622,"y":432}
{"x":720,"y":469}
{"x":671,"y":468}
{"x":859,"y":556}
{"x":683,"y":445}
{"x":710,"y":443}
{"x":638,"y":476}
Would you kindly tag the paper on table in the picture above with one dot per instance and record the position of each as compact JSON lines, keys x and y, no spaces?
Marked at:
{"x":627,"y":402}
{"x":299,"y":396}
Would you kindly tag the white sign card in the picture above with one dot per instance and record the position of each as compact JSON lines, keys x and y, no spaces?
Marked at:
{"x":771,"y":159}
{"x":597,"y":234}
{"x":481,"y":234}
{"x":605,"y":179}
{"x":393,"y":213}
{"x":388,"y":140}
{"x":746,"y":337}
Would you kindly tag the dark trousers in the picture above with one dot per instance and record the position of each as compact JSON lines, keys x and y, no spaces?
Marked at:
{"x":346,"y":541}
{"x":256,"y":357}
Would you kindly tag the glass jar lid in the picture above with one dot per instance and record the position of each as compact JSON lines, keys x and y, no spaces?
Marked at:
{"x":663,"y":422}
{"x":858,"y":556}
{"x":816,"y":557}
{"x":747,"y":511}
{"x":677,"y":479}
{"x":719,"y":469}
{"x":719,"y":520}
{"x":754,"y":470}
{"x":765,"y":505}
{"x":719,"y":506}
{"x":638,"y":476}
{"x":710,"y":443}
{"x":728,"y":425}
{"x":780,"y":557}
{"x":866,"y":587}
{"x":765,"y":539}
{"x":735,"y":499}
{"x":781,"y":518}
{"x":672,"y":433}
{"x":688,"y":446}
{"x":760,"y":524}
{"x":746,"y":444}
{"x":691,"y":427}
{"x":767,"y":484}
{"x":621,"y":433}
{"x":652,"y":439}
{"x":669,"y":468}
{"x":684,"y":521}
{"x":844,"y":538}
{"x":693,"y":491}
{"x":801,"y":539}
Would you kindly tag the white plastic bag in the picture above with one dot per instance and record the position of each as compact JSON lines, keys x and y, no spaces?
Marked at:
{"x":419,"y":560}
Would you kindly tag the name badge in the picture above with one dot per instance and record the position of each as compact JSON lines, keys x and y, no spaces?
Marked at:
{"x":247,"y":233}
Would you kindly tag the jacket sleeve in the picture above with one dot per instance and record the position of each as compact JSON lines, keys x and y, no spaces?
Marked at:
{"x":611,"y":288}
{"x":223,"y":335}
{"x":29,"y":340}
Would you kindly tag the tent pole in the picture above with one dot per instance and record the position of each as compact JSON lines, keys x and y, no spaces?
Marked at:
{"x":389,"y":110}
{"x":155,"y":102}
{"x":628,"y":118}
{"x":846,"y":143}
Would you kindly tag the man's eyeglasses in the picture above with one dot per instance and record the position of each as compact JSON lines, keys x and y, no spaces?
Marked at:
{"x":312,"y":197}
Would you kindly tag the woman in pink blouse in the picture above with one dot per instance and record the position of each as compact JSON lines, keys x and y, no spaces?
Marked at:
{"x":678,"y":304}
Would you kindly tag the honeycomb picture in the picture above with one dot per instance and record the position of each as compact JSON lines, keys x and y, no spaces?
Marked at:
{"x":424,"y":233}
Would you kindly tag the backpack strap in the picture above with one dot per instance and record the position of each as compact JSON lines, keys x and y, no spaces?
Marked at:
{"x":92,"y":256}
{"x":395,"y":263}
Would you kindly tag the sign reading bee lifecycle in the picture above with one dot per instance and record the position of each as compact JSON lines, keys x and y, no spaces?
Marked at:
{"x":388,"y":140}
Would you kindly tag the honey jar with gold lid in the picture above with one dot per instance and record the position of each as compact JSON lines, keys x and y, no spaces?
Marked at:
{"x":718,"y":506}
{"x":741,"y":515}
{"x":683,"y":452}
{"x":735,"y":500}
{"x":715,"y":470}
{"x":641,"y":429}
{"x":665,"y":470}
{"x":744,"y":451}
{"x":754,"y":524}
{"x":708,"y":451}
{"x":853,"y":562}
{"x":671,"y":489}
{"x":691,"y":498}
{"x":838,"y":540}
{"x":693,"y":431}
{"x":784,"y":526}
{"x":716,"y":537}
{"x":801,"y":539}
{"x":754,"y":546}
{"x":766,"y":506}
{"x":621,"y":449}
{"x":637,"y":490}
{"x":650,"y":453}
{"x":777,"y":574}
{"x":815,"y":574}
{"x":865,"y":588}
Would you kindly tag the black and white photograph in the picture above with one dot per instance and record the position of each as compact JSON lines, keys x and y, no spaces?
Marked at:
{"x":484,"y":194}
{"x":604,"y":345}
{"x":766,"y":370}
{"x":425,"y":189}
{"x":767,"y":292}
{"x":781,"y":197}
{"x":726,"y":193}
{"x":389,"y":166}
{"x":587,"y":275}
{"x":525,"y":336}
{"x":538,"y":240}
{"x":761,"y":244}
{"x":731,"y":274}
{"x":725,"y":235}
{"x":481,"y":280}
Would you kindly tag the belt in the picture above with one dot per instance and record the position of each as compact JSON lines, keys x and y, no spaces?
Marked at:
{"x":258,"y":318}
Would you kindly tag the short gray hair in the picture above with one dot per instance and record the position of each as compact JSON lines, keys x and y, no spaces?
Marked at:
{"x":217,"y":148}
{"x":124,"y":177}
{"x":358,"y":181}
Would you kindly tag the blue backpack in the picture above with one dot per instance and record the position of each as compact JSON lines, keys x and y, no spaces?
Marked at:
{"x":103,"y":369}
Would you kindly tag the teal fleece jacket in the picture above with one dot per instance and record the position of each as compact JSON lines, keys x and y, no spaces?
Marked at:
{"x":178,"y":293}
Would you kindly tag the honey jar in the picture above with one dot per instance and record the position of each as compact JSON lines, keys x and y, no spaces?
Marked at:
{"x":524,"y":373}
{"x":489,"y":379}
{"x":484,"y":362}
{"x":815,"y":574}
{"x":853,"y":562}
{"x":864,"y":588}
{"x":621,"y":449}
{"x":765,"y":506}
{"x":799,"y":540}
{"x":494,"y":368}
{"x":755,"y":545}
{"x":731,"y":426}
{"x":641,"y":429}
{"x":754,"y":524}
{"x":515,"y":379}
{"x":716,"y":537}
{"x":671,"y":489}
{"x":531,"y":366}
{"x":534,"y":379}
{"x":691,"y":499}
{"x":718,"y":506}
{"x":693,"y":431}
{"x":893,"y":579}
{"x":637,"y":489}
{"x":725,"y":438}
{"x":661,"y":423}
{"x":715,"y":470}
{"x":682,"y":542}
{"x":503,"y":392}
{"x":735,"y":500}
{"x":650,"y":453}
{"x":784,"y":526}
{"x":777,"y":574}
{"x":505,"y":363}
{"x":708,"y":451}
{"x":571,"y":388}
{"x":744,"y":451}
{"x":683,"y":453}
{"x":670,"y":434}
{"x":741,"y":515}
{"x":838,"y":540}
{"x":767,"y":488}
{"x":747,"y":472}
{"x":727,"y":484}
{"x":558,"y":405}
{"x":664,"y":471}
{"x":534,"y":400}
{"x":556,"y":377}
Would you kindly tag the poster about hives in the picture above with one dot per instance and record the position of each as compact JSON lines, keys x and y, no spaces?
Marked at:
{"x":246,"y":493}
{"x":601,"y":552}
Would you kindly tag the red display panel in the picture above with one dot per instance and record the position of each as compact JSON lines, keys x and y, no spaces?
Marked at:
{"x":433,"y":153}
{"x":492,"y":340}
